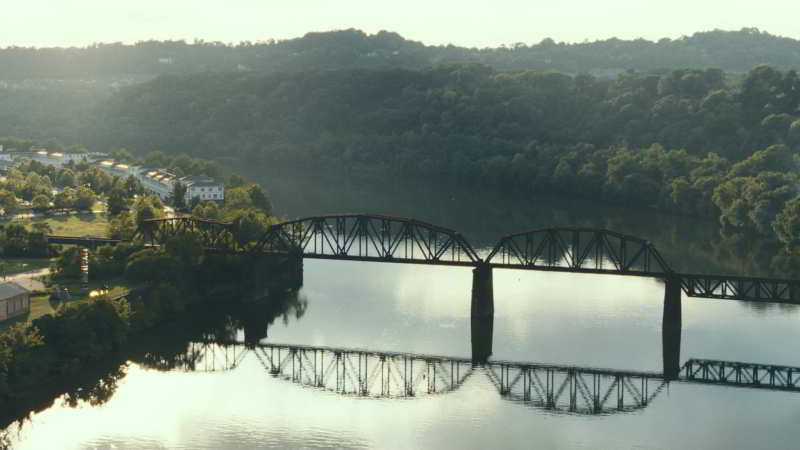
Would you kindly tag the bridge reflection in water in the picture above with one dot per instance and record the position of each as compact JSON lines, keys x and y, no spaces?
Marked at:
{"x":372,"y":374}
{"x":556,"y":388}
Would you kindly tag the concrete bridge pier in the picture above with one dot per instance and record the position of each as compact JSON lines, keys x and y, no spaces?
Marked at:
{"x":481,"y":333}
{"x":482,"y":292}
{"x":671,"y":328}
{"x":482,"y":313}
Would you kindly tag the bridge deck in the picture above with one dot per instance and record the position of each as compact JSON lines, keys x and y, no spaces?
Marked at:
{"x":86,"y":241}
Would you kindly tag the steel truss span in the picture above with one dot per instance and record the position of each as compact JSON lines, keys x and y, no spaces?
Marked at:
{"x":379,"y":238}
{"x":213,"y":234}
{"x":578,"y":250}
{"x":760,"y":376}
{"x":364,"y":373}
{"x":370,"y":374}
{"x":201,"y":356}
{"x":391,"y":375}
{"x":368,"y":237}
{"x":575,"y":390}
{"x":741,"y":288}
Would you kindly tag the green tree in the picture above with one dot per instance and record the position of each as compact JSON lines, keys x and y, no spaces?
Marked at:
{"x":66,"y":178}
{"x":249,"y":226}
{"x":41,"y":203}
{"x":42,"y":227}
{"x":235,"y":181}
{"x":122,"y":155}
{"x":64,"y":199}
{"x":207,"y":209}
{"x":117,"y":201}
{"x":122,"y":226}
{"x":178,"y":196}
{"x":8,"y":202}
{"x":787,"y":224}
{"x":133,"y":186}
{"x":259,"y":199}
{"x":84,"y":198}
{"x":144,"y":212}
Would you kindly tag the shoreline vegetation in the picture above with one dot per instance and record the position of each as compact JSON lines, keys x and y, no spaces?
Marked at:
{"x":140,"y":287}
{"x":163,"y":346}
{"x":181,"y":278}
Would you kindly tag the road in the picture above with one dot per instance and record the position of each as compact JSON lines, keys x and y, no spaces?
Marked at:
{"x":29,"y":280}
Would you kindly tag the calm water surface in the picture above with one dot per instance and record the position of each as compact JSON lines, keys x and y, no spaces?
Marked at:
{"x":234,"y":396}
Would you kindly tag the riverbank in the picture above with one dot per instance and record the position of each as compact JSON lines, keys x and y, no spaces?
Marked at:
{"x":83,"y":333}
{"x":161,"y":347}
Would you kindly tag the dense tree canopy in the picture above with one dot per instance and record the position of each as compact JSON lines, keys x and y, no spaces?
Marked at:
{"x":728,"y":50}
{"x":693,"y":140}
{"x":689,"y":141}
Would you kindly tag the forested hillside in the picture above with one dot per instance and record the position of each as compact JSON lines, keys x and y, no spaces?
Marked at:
{"x":686,"y":141}
{"x":733,"y":51}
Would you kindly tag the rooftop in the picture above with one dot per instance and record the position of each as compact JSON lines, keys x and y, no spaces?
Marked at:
{"x":11,"y":289}
{"x":200,"y":181}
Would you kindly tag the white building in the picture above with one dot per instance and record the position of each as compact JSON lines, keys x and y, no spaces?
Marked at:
{"x":156,"y":181}
{"x":56,"y":159}
{"x":162,"y":183}
{"x":203,"y":188}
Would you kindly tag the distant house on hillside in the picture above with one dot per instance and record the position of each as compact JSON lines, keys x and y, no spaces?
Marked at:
{"x":55,"y":159}
{"x":15,"y":300}
{"x":203,"y":188}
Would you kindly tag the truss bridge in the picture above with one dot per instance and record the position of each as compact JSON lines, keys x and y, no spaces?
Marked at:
{"x":388,"y":239}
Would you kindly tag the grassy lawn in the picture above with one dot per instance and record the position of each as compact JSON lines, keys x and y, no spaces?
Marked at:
{"x":11,"y":266}
{"x":44,"y":304}
{"x":72,"y":225}
{"x":40,"y":305}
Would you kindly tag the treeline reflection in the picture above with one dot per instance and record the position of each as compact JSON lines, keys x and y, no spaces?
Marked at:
{"x":183,"y":345}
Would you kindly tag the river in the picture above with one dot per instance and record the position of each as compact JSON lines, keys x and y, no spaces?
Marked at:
{"x":371,"y":355}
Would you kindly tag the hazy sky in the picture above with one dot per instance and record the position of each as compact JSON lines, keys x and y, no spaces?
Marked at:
{"x":485,"y":23}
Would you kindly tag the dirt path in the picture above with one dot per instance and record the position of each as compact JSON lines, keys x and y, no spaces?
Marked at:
{"x":29,"y":280}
